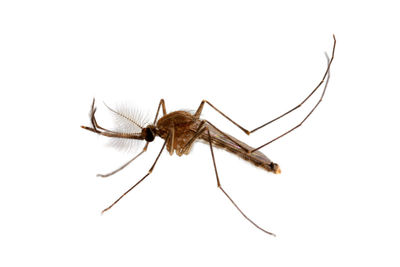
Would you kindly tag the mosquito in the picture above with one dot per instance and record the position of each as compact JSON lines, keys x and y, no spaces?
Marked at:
{"x":181,"y":129}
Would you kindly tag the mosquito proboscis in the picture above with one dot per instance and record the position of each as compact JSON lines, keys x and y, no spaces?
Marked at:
{"x":180,"y":129}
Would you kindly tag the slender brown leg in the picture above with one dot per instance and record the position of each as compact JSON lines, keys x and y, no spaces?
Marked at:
{"x":126,"y":164}
{"x":148,"y":173}
{"x":199,"y":131}
{"x":109,"y":133}
{"x":161,"y":104}
{"x":306,"y":117}
{"x":200,"y":109}
{"x":228,"y":137}
{"x":171,"y":142}
{"x":226,"y":194}
{"x":325,"y":77}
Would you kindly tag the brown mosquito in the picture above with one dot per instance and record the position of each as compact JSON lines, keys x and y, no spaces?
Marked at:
{"x":180,"y":129}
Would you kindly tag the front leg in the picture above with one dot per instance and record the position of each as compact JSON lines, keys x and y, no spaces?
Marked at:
{"x":161,"y":104}
{"x":148,"y":173}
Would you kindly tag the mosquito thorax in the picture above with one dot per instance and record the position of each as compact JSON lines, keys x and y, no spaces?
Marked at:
{"x":148,"y":134}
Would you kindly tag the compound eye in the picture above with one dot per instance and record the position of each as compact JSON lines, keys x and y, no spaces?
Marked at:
{"x":149,"y":135}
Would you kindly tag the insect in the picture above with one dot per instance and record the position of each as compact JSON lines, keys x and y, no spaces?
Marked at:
{"x":181,"y":129}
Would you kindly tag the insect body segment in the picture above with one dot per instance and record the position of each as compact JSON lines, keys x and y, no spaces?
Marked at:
{"x":186,"y":128}
{"x":183,"y":126}
{"x":257,"y":157}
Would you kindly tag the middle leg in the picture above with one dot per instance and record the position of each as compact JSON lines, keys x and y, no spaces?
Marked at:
{"x":226,"y":194}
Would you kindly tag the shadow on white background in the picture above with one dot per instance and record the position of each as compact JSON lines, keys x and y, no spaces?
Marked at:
{"x":336,"y":201}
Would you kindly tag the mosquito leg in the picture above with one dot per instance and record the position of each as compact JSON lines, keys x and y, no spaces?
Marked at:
{"x":199,"y":131}
{"x":308,"y":115}
{"x":126,"y":164}
{"x":200,"y":109}
{"x":226,"y":194}
{"x":171,"y":141}
{"x":218,"y":130}
{"x":228,"y":137}
{"x":148,"y":173}
{"x":161,"y":104}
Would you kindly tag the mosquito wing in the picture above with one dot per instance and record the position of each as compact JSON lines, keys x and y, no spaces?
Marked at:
{"x":235,"y":146}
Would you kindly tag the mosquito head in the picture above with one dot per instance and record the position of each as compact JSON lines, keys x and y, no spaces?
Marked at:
{"x":149,"y":133}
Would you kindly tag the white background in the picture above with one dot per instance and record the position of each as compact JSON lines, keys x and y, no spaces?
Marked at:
{"x":336,"y":202}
